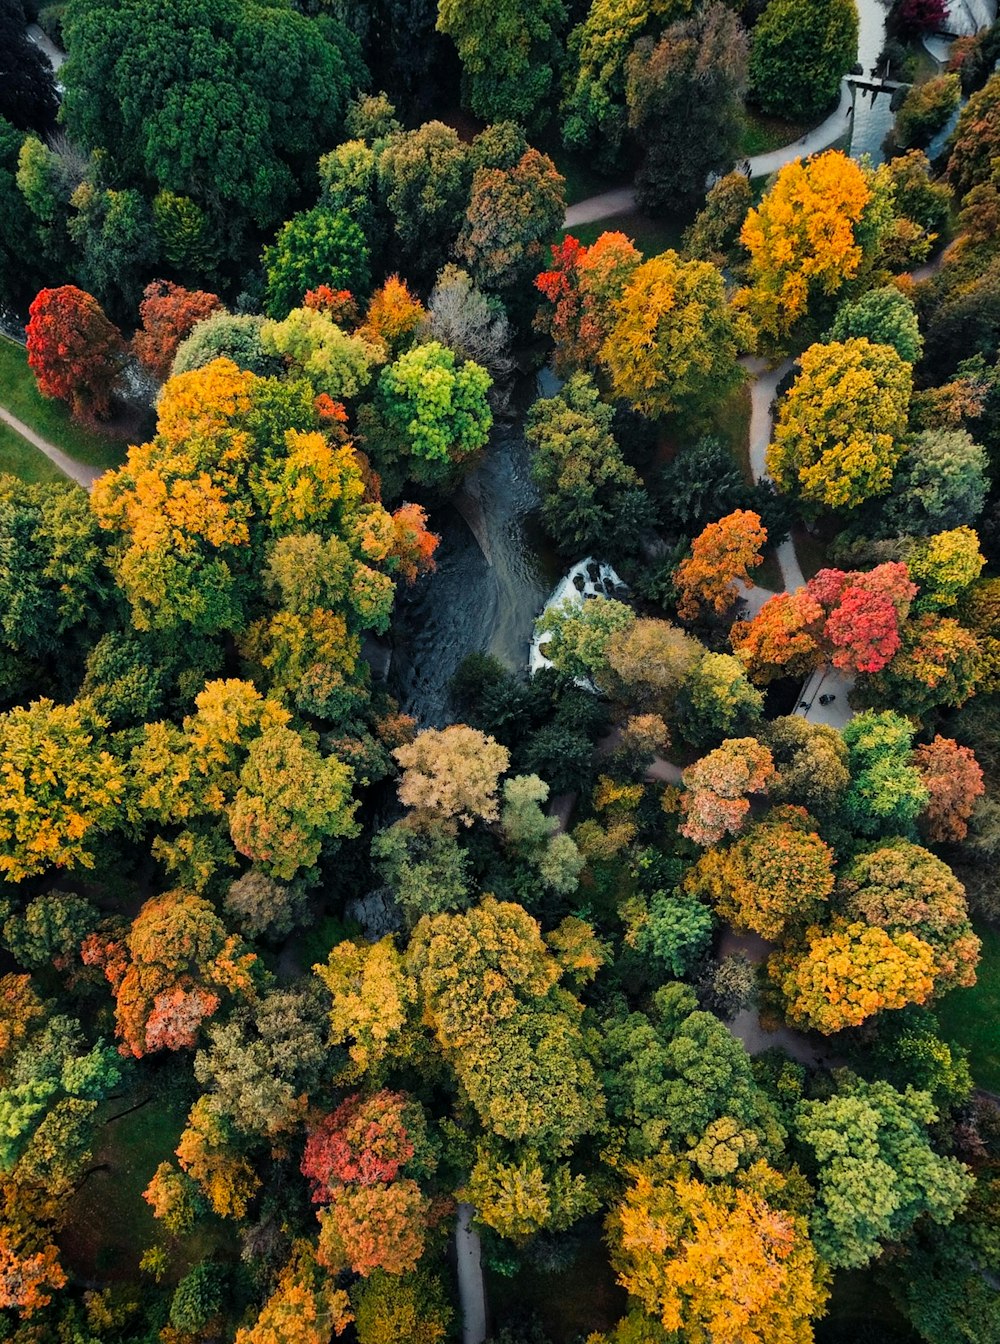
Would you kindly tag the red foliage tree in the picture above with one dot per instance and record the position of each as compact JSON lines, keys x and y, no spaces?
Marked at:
{"x":339,"y":304}
{"x":921,"y":16}
{"x":364,"y":1142}
{"x":581,"y":289}
{"x":782,"y":639}
{"x":369,"y":1227}
{"x":413,"y":545}
{"x":864,"y":612}
{"x":168,"y":312}
{"x":954,"y":780}
{"x":74,"y":350}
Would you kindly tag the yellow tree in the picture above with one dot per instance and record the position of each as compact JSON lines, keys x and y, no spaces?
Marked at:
{"x":810,"y":235}
{"x":674,"y":339}
{"x":452,"y":773}
{"x":304,"y":1306}
{"x":720,"y":558}
{"x":838,"y":435}
{"x":718,"y":1264}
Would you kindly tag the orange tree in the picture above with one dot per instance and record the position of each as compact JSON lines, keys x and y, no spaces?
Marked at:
{"x":74,"y":350}
{"x":954,"y":780}
{"x":721,"y":556}
{"x":717,"y":788}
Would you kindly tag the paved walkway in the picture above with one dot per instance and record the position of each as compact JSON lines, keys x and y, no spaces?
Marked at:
{"x":471,"y":1290}
{"x":76,"y":471}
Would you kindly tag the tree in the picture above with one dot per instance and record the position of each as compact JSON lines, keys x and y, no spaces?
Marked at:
{"x":425,"y":866}
{"x":863,"y":614}
{"x":188,"y":239}
{"x":518,"y":1199}
{"x":452,"y":772}
{"x":365,"y":1141}
{"x":60,"y":789}
{"x":648,"y":663}
{"x":582,"y":288}
{"x":393,"y":316}
{"x":232,"y":336}
{"x":836,"y":440}
{"x":900,"y":886}
{"x":721,"y":556}
{"x":876,"y":1170}
{"x":886,"y":793}
{"x":425,"y":176}
{"x":937,"y":665}
{"x":944,"y":565}
{"x":371,"y":1227}
{"x":207,"y":1153}
{"x":20,"y":276}
{"x":782,"y":639}
{"x":882,"y":316}
{"x":716,"y":701}
{"x":168,"y":313}
{"x":313,"y":344}
{"x":512,"y":212}
{"x":303,"y":1308}
{"x":577,"y":636}
{"x":918,"y":16}
{"x":116,"y":234}
{"x":800,"y":53}
{"x":198,"y":1298}
{"x":715,"y":801}
{"x":976,"y":139}
{"x":954,"y":780}
{"x":224,"y":125}
{"x":814,"y":231}
{"x":436,"y":408}
{"x":176,"y":956}
{"x":28,"y":1278}
{"x":715,"y":233}
{"x":674,"y":340}
{"x":592,"y":500}
{"x":695,"y":77}
{"x":372,"y":998}
{"x":488,"y":990}
{"x":721,"y":1264}
{"x":74,"y":351}
{"x":28,"y":96}
{"x":508,"y":54}
{"x":392,"y":1308}
{"x":779,"y":873}
{"x":940,"y":483}
{"x":926,"y":110}
{"x":317,"y":247}
{"x":844,"y":974}
{"x":810,"y":760}
{"x":471,"y":323}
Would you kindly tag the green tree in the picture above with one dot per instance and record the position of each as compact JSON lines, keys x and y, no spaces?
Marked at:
{"x":674,"y":341}
{"x":716,"y":701}
{"x":886,"y":793}
{"x":508,"y":52}
{"x":334,"y":362}
{"x":578,"y":635}
{"x":940,"y":483}
{"x":837,"y":437}
{"x":234,"y":336}
{"x":425,"y":176}
{"x":810,"y":761}
{"x":223,"y":121}
{"x":876,"y":1170}
{"x":884,"y":317}
{"x":976,"y":139}
{"x":926,"y":110}
{"x":592,"y":500}
{"x":425,"y":866}
{"x":317,"y":247}
{"x":20,"y":273}
{"x":800,"y":52}
{"x":693,"y":77}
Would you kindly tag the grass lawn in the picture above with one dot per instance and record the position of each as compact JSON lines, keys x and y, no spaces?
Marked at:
{"x":111,"y":1223}
{"x":731,"y":423}
{"x":761,"y":133}
{"x":19,"y":458}
{"x":970,"y":1016}
{"x":810,"y":550}
{"x":649,"y":235}
{"x":51,"y":419}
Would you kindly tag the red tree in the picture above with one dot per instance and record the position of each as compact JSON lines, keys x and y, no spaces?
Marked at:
{"x":413,"y":545}
{"x":581,"y":290}
{"x":363,"y":1142}
{"x":955,"y":780}
{"x":922,"y":16}
{"x":864,"y":612}
{"x":74,"y":350}
{"x":168,"y":312}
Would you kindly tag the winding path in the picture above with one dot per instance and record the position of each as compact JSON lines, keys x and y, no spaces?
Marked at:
{"x":76,"y":471}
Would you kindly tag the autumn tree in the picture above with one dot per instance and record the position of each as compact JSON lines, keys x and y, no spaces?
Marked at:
{"x":717,"y":788}
{"x":715,"y":233}
{"x":393,"y":316}
{"x":863,"y":614}
{"x":513,"y":211}
{"x":592,"y":500}
{"x":953,"y":779}
{"x":716,"y":701}
{"x":75,"y":352}
{"x":371,"y":1227}
{"x":647,"y":663}
{"x":726,"y":1263}
{"x":694,"y":76}
{"x":452,"y":773}
{"x":876,"y":1169}
{"x":372,"y":1000}
{"x":812,"y":233}
{"x":901,"y":887}
{"x":780,"y":872}
{"x":393,"y":1307}
{"x":519,"y":1198}
{"x":944,"y":565}
{"x":976,"y":139}
{"x":844,"y":974}
{"x":674,"y":340}
{"x":800,"y":53}
{"x":365,"y":1141}
{"x":810,"y":761}
{"x":508,"y":52}
{"x":303,"y":1308}
{"x":209,"y":1153}
{"x":938,"y":664}
{"x":837,"y":437}
{"x":168,"y":313}
{"x":721,"y":557}
{"x":488,"y":986}
{"x":176,"y":962}
{"x":581,"y":290}
{"x":473,"y":324}
{"x":783,"y":639}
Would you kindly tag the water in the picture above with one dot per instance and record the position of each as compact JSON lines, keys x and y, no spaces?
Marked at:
{"x":471,"y":604}
{"x":873,"y":116}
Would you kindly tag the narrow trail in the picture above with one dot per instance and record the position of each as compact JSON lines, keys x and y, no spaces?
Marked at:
{"x":471,"y":1289}
{"x":76,"y":471}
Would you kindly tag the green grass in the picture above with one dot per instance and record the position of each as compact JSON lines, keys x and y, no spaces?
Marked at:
{"x":969,"y":1017}
{"x":51,"y":419}
{"x":768,"y":574}
{"x":730,"y":422}
{"x":19,"y":458}
{"x":811,"y":551}
{"x":761,"y":134}
{"x":649,"y":235}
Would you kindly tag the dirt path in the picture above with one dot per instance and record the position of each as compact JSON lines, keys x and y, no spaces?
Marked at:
{"x":76,"y":471}
{"x":471,"y":1290}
